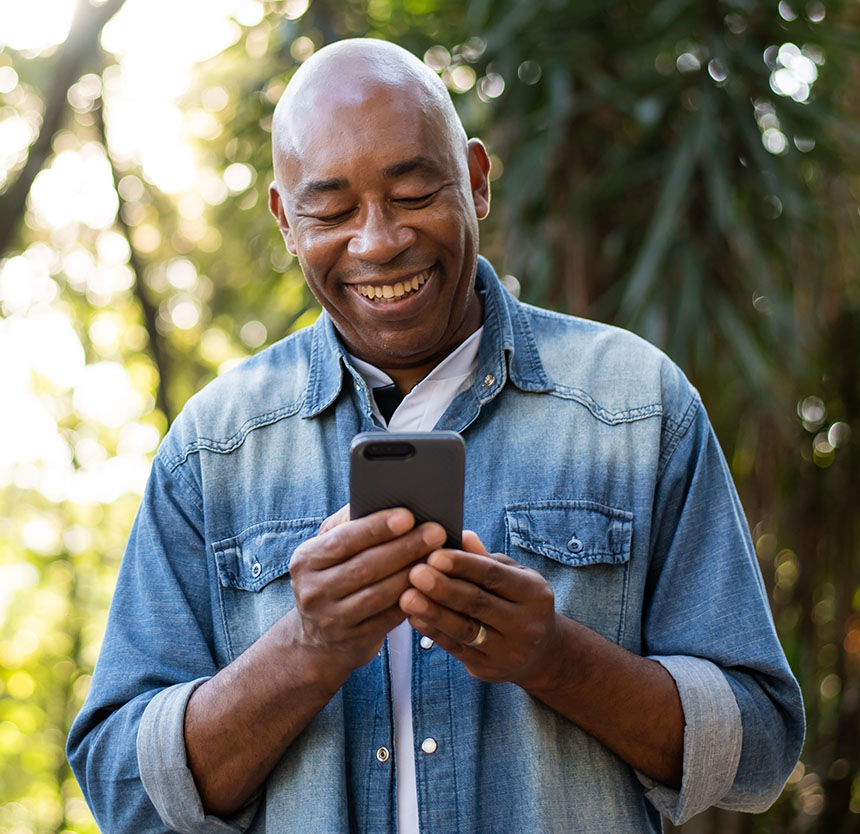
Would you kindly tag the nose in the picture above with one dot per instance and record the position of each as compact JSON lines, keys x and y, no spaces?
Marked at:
{"x":379,"y":237}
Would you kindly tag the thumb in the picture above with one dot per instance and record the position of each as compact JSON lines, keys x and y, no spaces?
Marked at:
{"x":472,"y":544}
{"x":335,"y":520}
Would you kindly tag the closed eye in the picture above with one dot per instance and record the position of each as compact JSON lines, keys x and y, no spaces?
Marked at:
{"x":333,"y":218}
{"x":416,"y":202}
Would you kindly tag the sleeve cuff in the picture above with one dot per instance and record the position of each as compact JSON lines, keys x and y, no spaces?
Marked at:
{"x":164,"y":771}
{"x":713,"y":734}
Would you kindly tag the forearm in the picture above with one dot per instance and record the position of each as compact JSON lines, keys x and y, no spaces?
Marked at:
{"x":240,"y":723}
{"x":627,"y":702}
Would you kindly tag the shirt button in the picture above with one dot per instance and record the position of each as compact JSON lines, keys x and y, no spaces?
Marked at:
{"x":256,"y":569}
{"x":426,"y":642}
{"x":382,"y":755}
{"x":489,"y":379}
{"x":429,"y":745}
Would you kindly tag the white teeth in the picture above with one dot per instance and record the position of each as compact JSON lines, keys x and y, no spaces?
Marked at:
{"x":398,"y":290}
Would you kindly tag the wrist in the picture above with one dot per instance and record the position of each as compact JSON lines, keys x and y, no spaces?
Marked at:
{"x":314,"y":666}
{"x":548,"y":670}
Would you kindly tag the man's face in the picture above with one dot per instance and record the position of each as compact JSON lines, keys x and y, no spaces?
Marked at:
{"x":380,"y":202}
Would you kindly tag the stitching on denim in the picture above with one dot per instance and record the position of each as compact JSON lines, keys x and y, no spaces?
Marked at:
{"x":313,"y":365}
{"x":449,"y":665}
{"x":610,"y":514}
{"x":611,"y":418}
{"x":622,"y":619}
{"x":521,"y":322}
{"x":188,"y":483}
{"x":235,"y":440}
{"x":676,"y":432}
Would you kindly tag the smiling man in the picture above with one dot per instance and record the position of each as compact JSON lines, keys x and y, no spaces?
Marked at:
{"x":384,"y":227}
{"x":598,"y":653}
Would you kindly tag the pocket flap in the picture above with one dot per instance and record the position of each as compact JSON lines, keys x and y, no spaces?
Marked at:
{"x":572,"y":532}
{"x":261,"y":553}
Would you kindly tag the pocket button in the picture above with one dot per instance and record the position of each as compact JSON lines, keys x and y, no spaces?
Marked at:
{"x":575,"y":545}
{"x":256,"y":570}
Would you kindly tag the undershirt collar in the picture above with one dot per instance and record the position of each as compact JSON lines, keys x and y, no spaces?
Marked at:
{"x":429,"y":399}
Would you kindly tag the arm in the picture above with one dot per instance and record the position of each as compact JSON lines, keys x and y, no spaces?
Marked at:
{"x":705,"y":620}
{"x":347,"y":581}
{"x":126,"y":746}
{"x":627,"y":702}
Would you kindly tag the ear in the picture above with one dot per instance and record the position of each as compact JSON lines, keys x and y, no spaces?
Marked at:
{"x":479,"y":177}
{"x":276,"y":206}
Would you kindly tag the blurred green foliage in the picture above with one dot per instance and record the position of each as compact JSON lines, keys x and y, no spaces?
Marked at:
{"x":649,"y":170}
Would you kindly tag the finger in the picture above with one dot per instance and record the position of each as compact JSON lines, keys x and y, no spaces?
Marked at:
{"x":473,"y":544}
{"x":464,"y":598}
{"x":458,"y":627}
{"x":335,"y":519}
{"x":350,"y":537}
{"x":498,"y":574}
{"x":376,"y":563}
{"x":452,"y":645}
{"x":367,"y":602}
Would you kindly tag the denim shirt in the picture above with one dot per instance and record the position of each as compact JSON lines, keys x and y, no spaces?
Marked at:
{"x":589,"y":458}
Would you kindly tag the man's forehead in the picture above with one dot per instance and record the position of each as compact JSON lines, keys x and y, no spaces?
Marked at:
{"x":361,"y":88}
{"x":360,"y":104}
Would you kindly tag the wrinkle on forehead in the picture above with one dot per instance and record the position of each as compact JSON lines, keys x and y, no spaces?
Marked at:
{"x":346,"y":74}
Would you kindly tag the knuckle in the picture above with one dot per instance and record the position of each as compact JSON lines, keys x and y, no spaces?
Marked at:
{"x":308,"y":595}
{"x":481,"y":603}
{"x":327,"y":622}
{"x":494,"y":576}
{"x":359,"y":572}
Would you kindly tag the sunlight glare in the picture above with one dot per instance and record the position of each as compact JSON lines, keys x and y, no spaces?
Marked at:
{"x":77,"y":188}
{"x":104,"y":394}
{"x":36,"y":24}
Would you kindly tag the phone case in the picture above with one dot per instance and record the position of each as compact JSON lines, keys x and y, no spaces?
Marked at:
{"x":422,"y":471}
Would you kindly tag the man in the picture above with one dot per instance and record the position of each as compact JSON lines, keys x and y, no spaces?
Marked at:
{"x":599,"y":652}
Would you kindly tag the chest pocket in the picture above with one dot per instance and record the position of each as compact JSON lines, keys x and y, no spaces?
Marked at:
{"x":583,"y":550}
{"x":253,"y":578}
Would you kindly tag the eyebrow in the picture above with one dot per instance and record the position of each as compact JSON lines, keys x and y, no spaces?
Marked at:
{"x":322,"y":187}
{"x":420,"y":164}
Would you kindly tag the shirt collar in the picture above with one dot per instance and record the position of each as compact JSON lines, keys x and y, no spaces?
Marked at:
{"x":507,"y":350}
{"x":460,"y":362}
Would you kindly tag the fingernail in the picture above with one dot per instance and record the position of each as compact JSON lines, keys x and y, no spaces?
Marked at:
{"x":422,"y":578}
{"x":434,"y":534}
{"x":441,"y":561}
{"x":399,"y":521}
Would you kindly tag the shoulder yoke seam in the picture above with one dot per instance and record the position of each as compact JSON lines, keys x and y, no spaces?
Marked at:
{"x":676,"y":429}
{"x":233,"y":442}
{"x":612,"y":418}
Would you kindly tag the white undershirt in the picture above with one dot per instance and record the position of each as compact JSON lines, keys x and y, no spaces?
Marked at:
{"x":420,"y":411}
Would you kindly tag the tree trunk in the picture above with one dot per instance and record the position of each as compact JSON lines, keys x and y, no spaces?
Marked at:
{"x":78,"y":48}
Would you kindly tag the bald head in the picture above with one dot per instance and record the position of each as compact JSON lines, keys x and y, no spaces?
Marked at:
{"x":344,"y":75}
{"x":378,"y":194}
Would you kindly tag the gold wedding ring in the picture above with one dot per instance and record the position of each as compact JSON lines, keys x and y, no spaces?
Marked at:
{"x":479,"y":638}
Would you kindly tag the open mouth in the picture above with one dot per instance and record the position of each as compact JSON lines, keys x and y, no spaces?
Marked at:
{"x":396,"y":291}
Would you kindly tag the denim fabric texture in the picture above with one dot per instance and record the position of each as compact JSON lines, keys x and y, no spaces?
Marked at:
{"x":590,"y":458}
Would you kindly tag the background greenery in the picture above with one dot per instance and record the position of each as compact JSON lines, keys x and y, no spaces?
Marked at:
{"x":649,"y":170}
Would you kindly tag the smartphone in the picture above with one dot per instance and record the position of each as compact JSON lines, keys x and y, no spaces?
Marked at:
{"x":422,"y":471}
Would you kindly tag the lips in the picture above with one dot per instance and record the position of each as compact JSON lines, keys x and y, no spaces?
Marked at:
{"x":393,"y":292}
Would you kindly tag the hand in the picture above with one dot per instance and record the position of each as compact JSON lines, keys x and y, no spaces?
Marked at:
{"x":347,"y":580}
{"x":456,"y":591}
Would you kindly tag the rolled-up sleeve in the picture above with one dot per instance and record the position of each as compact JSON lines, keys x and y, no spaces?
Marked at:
{"x":164,"y":769}
{"x":713,"y":735}
{"x":126,"y":746}
{"x":707,"y":620}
